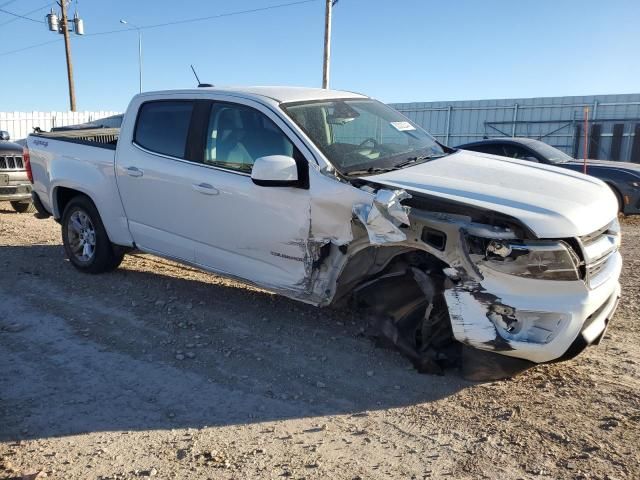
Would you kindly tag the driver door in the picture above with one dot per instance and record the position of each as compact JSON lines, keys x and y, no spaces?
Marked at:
{"x":254,"y":232}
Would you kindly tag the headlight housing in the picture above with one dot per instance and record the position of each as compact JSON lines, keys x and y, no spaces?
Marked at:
{"x":615,"y":230}
{"x":544,"y":260}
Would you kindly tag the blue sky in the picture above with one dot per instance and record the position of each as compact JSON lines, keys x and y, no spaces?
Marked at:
{"x":403,"y":50}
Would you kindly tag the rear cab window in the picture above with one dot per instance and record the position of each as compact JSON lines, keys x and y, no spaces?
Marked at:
{"x":162,"y":126}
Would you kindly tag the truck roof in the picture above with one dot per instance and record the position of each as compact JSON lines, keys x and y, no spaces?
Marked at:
{"x":279,"y":94}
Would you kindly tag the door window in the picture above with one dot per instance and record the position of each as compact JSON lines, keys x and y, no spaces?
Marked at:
{"x":163,"y":127}
{"x":237,"y":135}
{"x":515,"y":151}
{"x":490,"y":148}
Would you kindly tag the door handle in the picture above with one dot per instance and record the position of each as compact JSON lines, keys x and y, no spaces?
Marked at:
{"x":205,"y":189}
{"x":134,"y":172}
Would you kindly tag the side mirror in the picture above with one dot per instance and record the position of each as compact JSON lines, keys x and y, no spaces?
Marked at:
{"x":4,"y":135}
{"x":275,"y":171}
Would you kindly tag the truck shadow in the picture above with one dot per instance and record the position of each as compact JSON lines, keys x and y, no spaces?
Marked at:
{"x":5,"y":208}
{"x":142,"y":348}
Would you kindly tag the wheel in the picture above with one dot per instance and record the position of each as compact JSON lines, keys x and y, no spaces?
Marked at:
{"x":85,"y":240}
{"x":412,"y":319}
{"x":23,"y":207}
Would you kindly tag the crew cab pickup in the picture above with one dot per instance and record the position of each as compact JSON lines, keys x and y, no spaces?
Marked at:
{"x":333,"y":198}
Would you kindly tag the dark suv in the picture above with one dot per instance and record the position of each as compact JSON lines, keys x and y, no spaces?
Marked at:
{"x":14,"y":182}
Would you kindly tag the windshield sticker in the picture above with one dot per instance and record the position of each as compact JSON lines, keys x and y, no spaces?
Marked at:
{"x":402,"y":126}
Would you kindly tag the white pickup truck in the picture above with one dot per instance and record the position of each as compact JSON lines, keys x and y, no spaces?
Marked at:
{"x":331,"y":197}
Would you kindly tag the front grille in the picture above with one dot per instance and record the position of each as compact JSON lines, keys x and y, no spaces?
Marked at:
{"x":11,"y":162}
{"x":14,"y":190}
{"x":597,"y":249}
{"x":596,"y":267}
{"x":592,"y":237}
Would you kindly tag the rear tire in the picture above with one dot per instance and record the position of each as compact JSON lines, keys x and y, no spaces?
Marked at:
{"x":23,"y":207}
{"x":85,"y":239}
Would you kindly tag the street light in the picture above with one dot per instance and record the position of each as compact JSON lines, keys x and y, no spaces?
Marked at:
{"x":124,"y":22}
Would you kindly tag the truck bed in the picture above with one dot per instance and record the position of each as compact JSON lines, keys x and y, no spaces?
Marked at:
{"x":96,"y":137}
{"x":80,"y":160}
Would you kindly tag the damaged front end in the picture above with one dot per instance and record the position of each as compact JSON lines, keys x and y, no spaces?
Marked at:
{"x":430,"y":276}
{"x":449,"y":284}
{"x":399,"y":267}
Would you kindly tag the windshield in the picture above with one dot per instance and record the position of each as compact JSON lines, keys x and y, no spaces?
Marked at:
{"x":552,"y":154}
{"x":363,"y":136}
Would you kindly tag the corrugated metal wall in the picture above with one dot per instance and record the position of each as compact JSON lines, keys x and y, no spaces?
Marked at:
{"x":20,"y":124}
{"x":557,"y":121}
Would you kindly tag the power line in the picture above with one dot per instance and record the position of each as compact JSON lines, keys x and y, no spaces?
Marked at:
{"x":209,"y":17}
{"x":6,"y":3}
{"x":27,"y":13}
{"x":30,"y":47}
{"x":19,"y":16}
{"x":177,"y":22}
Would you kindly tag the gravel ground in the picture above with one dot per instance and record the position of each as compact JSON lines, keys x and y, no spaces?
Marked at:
{"x":161,"y":370}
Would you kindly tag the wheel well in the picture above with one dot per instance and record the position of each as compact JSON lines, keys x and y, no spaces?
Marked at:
{"x":63,"y":196}
{"x":372,"y":262}
{"x":618,"y":195}
{"x":400,"y":293}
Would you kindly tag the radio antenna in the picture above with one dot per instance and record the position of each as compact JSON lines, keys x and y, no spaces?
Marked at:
{"x":200,"y":84}
{"x":195,"y":74}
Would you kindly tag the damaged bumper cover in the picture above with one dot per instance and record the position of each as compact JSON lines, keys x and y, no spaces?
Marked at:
{"x":535,"y":320}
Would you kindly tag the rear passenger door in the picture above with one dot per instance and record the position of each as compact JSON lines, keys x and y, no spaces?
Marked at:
{"x":155,"y":178}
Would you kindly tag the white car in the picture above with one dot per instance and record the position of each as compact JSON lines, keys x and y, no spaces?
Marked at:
{"x":330,"y":197}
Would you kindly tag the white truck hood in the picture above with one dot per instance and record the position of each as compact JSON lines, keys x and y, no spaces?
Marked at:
{"x":553,"y":202}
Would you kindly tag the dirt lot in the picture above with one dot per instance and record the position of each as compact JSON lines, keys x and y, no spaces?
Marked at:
{"x":161,"y":370}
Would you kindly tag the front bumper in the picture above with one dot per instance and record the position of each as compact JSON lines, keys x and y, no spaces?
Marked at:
{"x":15,"y":193}
{"x":557,"y":317}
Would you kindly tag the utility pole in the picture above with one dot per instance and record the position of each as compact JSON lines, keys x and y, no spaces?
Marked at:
{"x":61,"y":26}
{"x":327,"y":44}
{"x":67,"y":48}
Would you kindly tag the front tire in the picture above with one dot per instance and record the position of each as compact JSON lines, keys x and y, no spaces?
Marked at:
{"x":23,"y":207}
{"x":85,"y":239}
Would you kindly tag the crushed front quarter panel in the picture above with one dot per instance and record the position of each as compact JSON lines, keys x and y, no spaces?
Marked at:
{"x":383,"y":215}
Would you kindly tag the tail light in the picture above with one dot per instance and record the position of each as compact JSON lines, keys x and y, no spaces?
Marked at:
{"x":26,"y":159}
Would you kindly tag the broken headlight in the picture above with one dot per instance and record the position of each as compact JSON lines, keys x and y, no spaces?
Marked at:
{"x":546,"y":260}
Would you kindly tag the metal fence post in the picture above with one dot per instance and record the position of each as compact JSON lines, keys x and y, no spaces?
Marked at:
{"x":448,"y":129}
